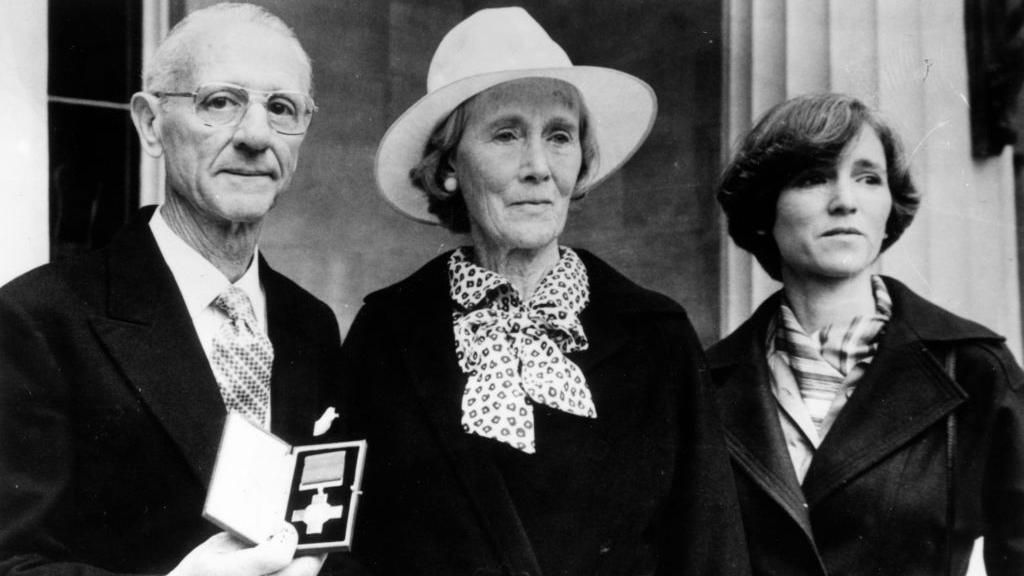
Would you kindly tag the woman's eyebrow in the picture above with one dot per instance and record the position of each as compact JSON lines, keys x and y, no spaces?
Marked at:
{"x":567,"y":122}
{"x":867,"y":164}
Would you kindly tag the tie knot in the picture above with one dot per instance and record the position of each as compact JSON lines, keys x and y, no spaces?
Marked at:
{"x":235,"y":303}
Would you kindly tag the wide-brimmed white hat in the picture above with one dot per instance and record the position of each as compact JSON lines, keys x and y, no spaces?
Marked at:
{"x":491,"y":47}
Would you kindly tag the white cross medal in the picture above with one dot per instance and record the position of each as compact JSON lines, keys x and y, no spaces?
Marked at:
{"x":320,"y":471}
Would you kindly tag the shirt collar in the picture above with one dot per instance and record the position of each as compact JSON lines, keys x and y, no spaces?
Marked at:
{"x":198,"y":280}
{"x":860,"y":331}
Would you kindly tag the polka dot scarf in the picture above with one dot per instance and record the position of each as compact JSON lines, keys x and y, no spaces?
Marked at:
{"x":513,"y":352}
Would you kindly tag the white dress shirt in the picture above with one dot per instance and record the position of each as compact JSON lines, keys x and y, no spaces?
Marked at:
{"x":200,"y":282}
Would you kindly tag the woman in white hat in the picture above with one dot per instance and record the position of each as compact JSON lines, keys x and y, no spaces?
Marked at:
{"x":529,"y":410}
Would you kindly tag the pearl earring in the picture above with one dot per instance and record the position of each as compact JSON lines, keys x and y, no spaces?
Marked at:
{"x":450,"y":184}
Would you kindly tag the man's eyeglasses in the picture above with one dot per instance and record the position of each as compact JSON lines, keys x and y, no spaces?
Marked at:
{"x":223,"y":104}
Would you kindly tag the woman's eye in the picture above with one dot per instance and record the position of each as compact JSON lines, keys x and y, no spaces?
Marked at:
{"x":561,"y":137}
{"x":809,"y":179}
{"x":872,"y":179}
{"x":505,"y":136}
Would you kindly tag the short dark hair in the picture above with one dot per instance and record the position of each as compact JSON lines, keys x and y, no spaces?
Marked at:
{"x":804,"y":133}
{"x":430,"y":173}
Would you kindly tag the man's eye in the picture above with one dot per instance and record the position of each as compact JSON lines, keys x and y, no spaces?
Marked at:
{"x":220,"y":102}
{"x":282,"y":107}
{"x":505,"y":136}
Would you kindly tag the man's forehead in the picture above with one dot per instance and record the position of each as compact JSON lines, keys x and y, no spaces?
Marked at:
{"x":249,"y":55}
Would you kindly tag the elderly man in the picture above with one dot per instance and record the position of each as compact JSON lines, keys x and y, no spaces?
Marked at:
{"x":117,"y":368}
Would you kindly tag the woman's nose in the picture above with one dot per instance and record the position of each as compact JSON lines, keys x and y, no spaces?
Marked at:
{"x":843,"y":196}
{"x":535,"y":165}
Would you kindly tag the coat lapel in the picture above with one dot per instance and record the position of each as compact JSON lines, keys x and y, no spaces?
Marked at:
{"x":293,"y":384}
{"x":149,"y":334}
{"x":904,"y":391}
{"x":750,"y":415}
{"x":611,"y":294}
{"x":429,"y":356}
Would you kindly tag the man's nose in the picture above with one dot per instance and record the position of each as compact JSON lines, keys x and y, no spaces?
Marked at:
{"x":253,"y":130}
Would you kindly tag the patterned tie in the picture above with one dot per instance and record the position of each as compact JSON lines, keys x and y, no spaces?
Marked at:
{"x":242,"y":359}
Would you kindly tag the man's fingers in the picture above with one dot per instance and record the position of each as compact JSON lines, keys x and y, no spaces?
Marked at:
{"x":223,"y":555}
{"x":303,"y":566}
{"x":270,"y":556}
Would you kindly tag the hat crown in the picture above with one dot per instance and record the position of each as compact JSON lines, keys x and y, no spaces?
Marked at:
{"x":493,"y":40}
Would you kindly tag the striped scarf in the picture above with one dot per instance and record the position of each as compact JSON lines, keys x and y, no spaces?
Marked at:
{"x":821,"y":361}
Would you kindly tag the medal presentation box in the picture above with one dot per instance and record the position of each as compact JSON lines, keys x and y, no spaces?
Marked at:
{"x":259,"y":480}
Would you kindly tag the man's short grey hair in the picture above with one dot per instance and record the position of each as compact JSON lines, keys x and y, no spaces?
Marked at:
{"x":172,"y":63}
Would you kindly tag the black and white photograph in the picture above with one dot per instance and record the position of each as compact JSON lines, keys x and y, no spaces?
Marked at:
{"x":497,"y":288}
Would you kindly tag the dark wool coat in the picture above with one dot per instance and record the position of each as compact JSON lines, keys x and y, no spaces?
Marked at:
{"x":874,"y":500}
{"x":110,"y":415}
{"x":644,"y":488}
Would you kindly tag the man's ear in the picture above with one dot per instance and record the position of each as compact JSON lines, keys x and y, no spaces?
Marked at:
{"x":145,"y":116}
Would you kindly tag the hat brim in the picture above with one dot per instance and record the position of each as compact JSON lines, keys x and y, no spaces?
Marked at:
{"x":622,"y":111}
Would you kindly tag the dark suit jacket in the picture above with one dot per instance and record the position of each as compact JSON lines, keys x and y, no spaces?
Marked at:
{"x":874,"y":500}
{"x":645,"y":486}
{"x":110,"y":416}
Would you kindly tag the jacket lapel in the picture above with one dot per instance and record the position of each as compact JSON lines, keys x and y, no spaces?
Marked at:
{"x":904,"y":391}
{"x":611,"y":295}
{"x":750,"y":415}
{"x":150,"y":335}
{"x":293,"y":381}
{"x":429,"y":355}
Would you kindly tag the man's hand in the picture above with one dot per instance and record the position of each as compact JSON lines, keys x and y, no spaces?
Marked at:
{"x":224,"y":555}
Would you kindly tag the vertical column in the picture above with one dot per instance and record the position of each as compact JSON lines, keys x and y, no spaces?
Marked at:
{"x":960,"y":252}
{"x":155,"y":25}
{"x":735,"y":294}
{"x":757,"y":80}
{"x":807,"y":46}
{"x":24,"y":177}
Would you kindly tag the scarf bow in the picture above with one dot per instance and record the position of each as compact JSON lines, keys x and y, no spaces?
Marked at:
{"x":513,"y":351}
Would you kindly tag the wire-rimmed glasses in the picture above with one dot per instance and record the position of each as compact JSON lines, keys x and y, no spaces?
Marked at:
{"x":221,"y":104}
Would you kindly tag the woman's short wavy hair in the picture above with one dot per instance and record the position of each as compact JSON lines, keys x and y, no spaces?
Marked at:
{"x":804,"y":133}
{"x":429,"y":175}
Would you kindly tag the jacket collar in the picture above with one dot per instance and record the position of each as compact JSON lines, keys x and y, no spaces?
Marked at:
{"x":296,"y":377}
{"x":149,"y":333}
{"x":612,"y":297}
{"x":428,"y":352}
{"x":903,"y":391}
{"x":750,"y":415}
{"x":914,"y":318}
